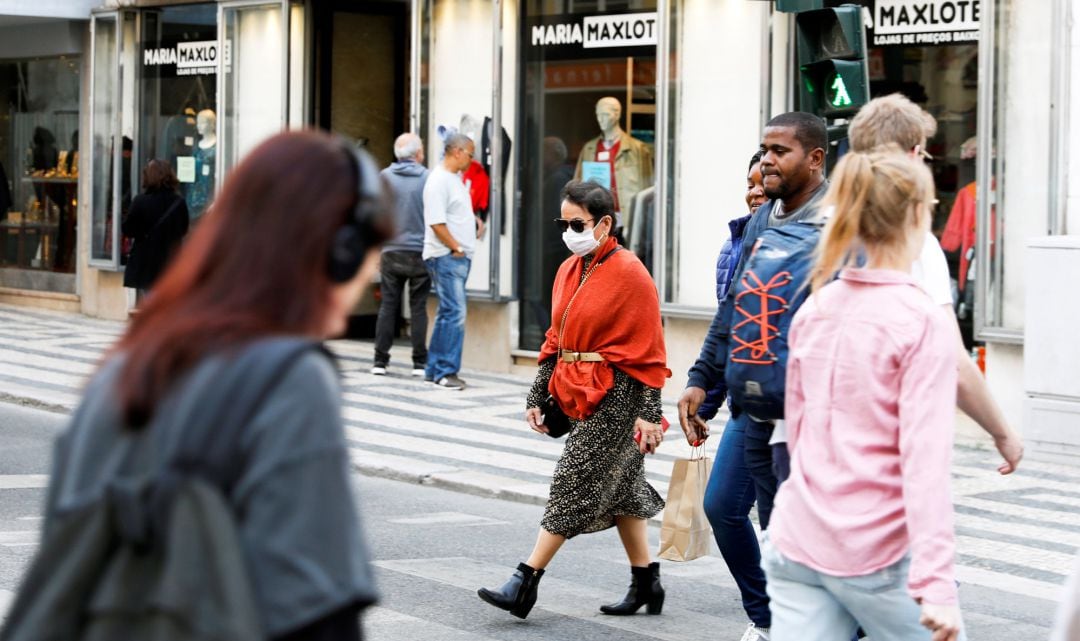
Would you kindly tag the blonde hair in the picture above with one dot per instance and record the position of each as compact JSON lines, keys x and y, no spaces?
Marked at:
{"x":890,"y":119}
{"x":875,"y":198}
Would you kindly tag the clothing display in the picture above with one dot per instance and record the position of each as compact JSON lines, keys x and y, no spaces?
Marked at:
{"x":201,"y":192}
{"x":479,"y":185}
{"x":959,"y":234}
{"x":631,"y":169}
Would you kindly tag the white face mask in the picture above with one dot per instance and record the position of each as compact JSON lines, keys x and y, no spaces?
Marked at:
{"x":582,"y":244}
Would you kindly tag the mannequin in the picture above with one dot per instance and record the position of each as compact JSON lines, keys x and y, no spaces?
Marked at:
{"x":629,"y":161}
{"x":205,"y":152}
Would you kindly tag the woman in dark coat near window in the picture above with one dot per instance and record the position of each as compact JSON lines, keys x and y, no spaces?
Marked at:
{"x":156,"y":222}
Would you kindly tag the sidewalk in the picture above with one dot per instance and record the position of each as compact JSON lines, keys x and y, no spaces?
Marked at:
{"x":1018,"y":534}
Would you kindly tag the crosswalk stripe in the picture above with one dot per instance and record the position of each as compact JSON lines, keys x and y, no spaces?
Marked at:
{"x":382,"y":622}
{"x":69,"y":366}
{"x":1034,"y":513}
{"x":565,"y":598}
{"x":23,"y":481}
{"x":1008,"y":583}
{"x":6,"y":599}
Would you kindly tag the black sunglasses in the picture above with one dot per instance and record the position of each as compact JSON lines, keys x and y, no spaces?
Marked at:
{"x":577,"y":224}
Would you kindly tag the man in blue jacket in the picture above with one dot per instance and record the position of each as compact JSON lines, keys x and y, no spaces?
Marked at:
{"x":401,"y":262}
{"x":793,"y":174}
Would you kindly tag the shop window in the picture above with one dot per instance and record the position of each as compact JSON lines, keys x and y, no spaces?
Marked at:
{"x":178,"y":97}
{"x":257,"y":77}
{"x":588,"y":111}
{"x":39,"y":151}
{"x":114,"y":171}
{"x":103,"y":137}
{"x":455,"y":87}
{"x":943,"y":80}
{"x":1013,"y":165}
{"x":713,"y":115}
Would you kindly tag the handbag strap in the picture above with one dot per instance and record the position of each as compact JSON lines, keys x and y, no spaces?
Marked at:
{"x":566,"y":312}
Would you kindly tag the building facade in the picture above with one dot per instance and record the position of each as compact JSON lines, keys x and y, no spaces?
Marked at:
{"x":200,"y":83}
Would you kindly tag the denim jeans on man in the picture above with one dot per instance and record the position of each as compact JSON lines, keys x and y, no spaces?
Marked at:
{"x":808,"y":605}
{"x":728,"y":500}
{"x":396,"y":269}
{"x":448,"y":275}
{"x":759,"y":462}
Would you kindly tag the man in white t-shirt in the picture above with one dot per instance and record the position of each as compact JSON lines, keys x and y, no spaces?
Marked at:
{"x":896,"y":120}
{"x":450,"y":233}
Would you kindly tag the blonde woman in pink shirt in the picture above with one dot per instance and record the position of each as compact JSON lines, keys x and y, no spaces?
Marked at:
{"x":862,"y":532}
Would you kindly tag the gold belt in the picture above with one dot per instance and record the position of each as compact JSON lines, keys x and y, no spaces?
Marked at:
{"x":584,"y":357}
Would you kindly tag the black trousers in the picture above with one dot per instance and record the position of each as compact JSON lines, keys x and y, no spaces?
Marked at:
{"x":398,"y":269}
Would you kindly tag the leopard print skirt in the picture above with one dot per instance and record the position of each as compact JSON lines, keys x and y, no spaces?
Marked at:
{"x":601,"y":473}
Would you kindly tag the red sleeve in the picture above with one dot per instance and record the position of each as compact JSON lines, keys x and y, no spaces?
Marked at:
{"x":952,"y":239}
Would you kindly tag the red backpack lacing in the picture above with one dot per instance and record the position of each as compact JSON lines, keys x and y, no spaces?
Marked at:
{"x":759,"y":348}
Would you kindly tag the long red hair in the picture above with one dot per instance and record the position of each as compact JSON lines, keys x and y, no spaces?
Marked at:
{"x":255,"y":266}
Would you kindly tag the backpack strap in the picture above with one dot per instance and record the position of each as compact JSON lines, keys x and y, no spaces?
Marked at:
{"x":210,"y":436}
{"x":209,"y":443}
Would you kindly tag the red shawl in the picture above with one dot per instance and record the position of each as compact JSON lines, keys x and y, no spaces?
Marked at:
{"x":616,"y":314}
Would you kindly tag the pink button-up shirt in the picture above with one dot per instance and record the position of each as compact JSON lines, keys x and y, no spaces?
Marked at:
{"x":870,"y":407}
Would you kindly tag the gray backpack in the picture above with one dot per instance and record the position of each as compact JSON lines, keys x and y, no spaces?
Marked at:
{"x":159,"y":558}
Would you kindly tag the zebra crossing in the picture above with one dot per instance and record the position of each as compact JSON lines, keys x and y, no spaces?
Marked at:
{"x":1017,"y":534}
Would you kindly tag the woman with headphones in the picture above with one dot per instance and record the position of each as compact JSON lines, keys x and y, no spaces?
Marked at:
{"x":275,"y":267}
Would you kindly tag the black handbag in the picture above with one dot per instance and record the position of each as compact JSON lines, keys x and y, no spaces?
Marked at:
{"x":556,"y":421}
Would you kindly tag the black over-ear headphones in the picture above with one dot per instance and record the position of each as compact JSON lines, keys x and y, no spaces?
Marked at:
{"x":367,"y":225}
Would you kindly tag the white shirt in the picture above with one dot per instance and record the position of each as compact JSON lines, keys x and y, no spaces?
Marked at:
{"x":932,"y":272}
{"x":447,"y":201}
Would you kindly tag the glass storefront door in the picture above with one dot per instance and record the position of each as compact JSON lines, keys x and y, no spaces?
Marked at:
{"x":943,"y":80}
{"x":577,"y":69}
{"x":178,"y":97}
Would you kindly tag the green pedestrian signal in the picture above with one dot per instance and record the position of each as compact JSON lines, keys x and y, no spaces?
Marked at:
{"x":832,"y":61}
{"x":840,"y":97}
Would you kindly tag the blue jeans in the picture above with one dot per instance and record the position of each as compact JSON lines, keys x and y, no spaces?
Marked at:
{"x":759,"y":462}
{"x":810,"y":606}
{"x":448,"y":276}
{"x":728,"y":500}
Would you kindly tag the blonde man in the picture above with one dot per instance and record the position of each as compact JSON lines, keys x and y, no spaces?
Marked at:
{"x":894,"y":119}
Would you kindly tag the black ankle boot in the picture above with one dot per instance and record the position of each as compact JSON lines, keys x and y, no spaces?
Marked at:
{"x":518,"y":594}
{"x":645,"y":589}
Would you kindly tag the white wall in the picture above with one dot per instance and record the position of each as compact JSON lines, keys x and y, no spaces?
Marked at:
{"x":460,"y":76}
{"x":719,"y":117}
{"x":1026,"y":143}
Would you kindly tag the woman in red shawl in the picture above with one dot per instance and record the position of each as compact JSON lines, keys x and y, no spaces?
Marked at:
{"x":603,"y":362}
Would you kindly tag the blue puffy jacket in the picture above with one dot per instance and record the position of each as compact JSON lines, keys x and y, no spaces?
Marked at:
{"x":725,"y":272}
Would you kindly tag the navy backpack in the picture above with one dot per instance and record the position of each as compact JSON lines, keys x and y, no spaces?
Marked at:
{"x":772,"y":287}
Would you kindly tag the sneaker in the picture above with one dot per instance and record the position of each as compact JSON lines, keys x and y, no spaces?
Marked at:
{"x":451,"y":382}
{"x":754,"y":633}
{"x":418,"y":371}
{"x":379,"y":370}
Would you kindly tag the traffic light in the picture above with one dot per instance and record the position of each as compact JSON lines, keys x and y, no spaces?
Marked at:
{"x":832,"y":61}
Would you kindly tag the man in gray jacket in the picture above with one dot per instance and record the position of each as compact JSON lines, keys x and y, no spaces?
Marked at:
{"x":401,"y":261}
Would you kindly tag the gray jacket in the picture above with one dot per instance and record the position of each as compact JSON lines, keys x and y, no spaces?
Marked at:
{"x":292,"y":498}
{"x":407,"y":179}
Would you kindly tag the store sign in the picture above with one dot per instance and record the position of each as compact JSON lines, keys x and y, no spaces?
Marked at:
{"x":188,"y":58}
{"x":572,"y":34}
{"x":925,"y":22}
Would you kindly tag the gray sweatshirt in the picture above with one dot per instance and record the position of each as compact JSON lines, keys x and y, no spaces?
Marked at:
{"x":293,"y":499}
{"x":407,"y":179}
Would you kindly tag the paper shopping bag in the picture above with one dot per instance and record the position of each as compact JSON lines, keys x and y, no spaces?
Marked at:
{"x":685,"y":533}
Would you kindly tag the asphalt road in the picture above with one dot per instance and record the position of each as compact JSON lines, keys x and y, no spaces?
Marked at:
{"x":433,"y":548}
